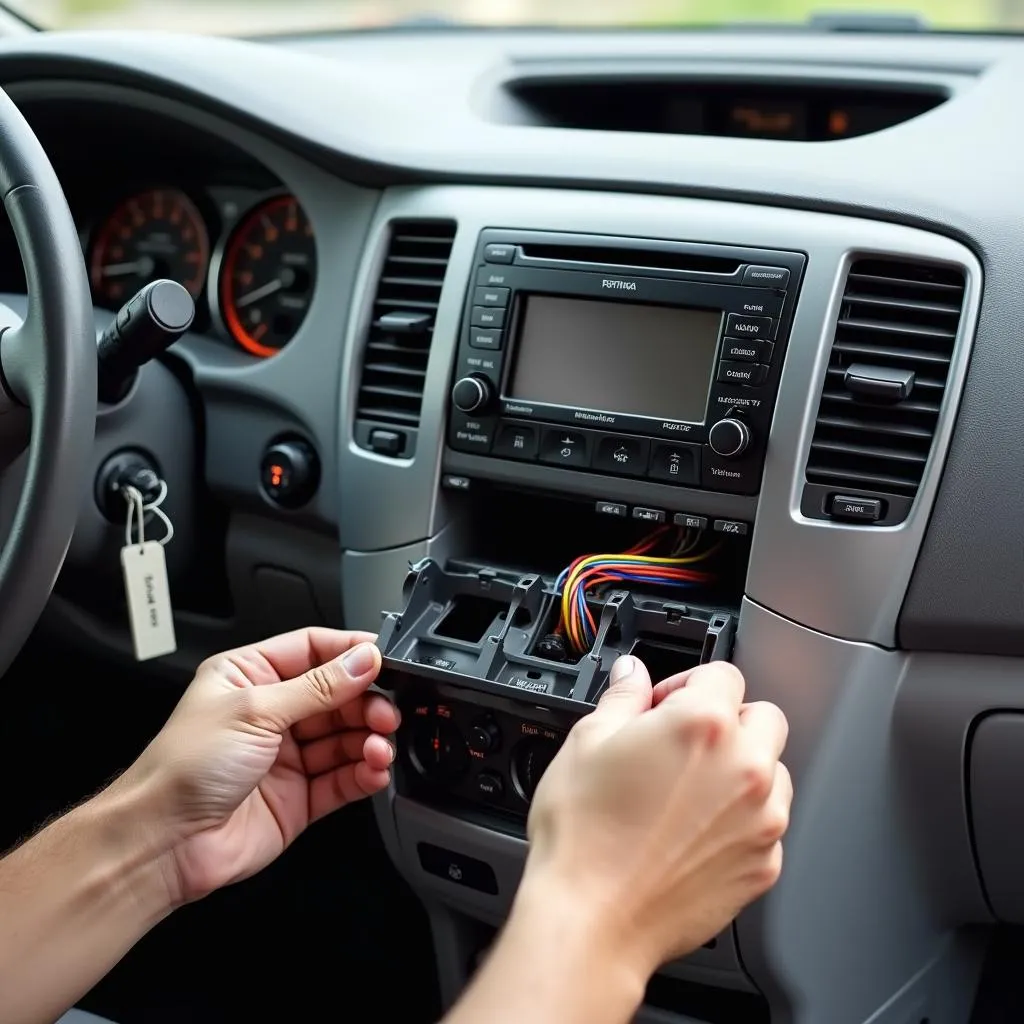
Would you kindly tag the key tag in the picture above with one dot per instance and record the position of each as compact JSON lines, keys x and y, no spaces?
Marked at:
{"x":145,"y":582}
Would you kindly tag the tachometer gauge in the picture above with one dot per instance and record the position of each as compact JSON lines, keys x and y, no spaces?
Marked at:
{"x":268,"y":275}
{"x":155,"y":234}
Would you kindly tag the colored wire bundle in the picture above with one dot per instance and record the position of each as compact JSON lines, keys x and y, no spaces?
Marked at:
{"x":637,"y":565}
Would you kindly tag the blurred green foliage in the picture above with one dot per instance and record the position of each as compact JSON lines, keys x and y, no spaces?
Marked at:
{"x":952,"y":14}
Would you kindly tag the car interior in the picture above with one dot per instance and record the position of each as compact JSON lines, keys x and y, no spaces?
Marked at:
{"x":525,"y":348}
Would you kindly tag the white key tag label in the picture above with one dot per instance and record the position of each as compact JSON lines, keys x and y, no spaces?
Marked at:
{"x":149,"y":599}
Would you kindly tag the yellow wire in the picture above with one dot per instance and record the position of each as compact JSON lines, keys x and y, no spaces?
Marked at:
{"x":569,"y":588}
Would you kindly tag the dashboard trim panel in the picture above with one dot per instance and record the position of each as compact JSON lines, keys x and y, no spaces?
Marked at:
{"x":874,"y":564}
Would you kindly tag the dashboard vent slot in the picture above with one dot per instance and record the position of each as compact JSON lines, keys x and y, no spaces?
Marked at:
{"x":394,"y":369}
{"x":885,"y":381}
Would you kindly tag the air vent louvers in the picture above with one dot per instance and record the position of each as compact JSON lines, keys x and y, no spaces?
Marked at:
{"x":397,"y":350}
{"x":895,"y":316}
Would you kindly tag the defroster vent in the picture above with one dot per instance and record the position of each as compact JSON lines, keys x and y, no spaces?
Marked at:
{"x":394,"y":368}
{"x":883,"y":390}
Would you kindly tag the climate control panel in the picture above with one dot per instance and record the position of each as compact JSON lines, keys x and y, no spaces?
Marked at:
{"x":451,"y":751}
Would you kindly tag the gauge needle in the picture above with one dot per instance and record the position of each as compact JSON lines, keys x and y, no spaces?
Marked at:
{"x":259,"y":293}
{"x":143,"y":267}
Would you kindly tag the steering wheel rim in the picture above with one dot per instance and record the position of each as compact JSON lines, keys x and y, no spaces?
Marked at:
{"x":48,"y":377}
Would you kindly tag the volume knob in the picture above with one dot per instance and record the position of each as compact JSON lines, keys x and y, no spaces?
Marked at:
{"x":471,"y":394}
{"x":729,"y":438}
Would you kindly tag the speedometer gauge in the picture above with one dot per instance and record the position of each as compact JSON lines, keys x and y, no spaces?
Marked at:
{"x":268,"y":275}
{"x":155,"y":234}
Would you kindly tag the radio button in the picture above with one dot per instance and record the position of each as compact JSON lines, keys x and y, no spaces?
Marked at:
{"x":748,"y":374}
{"x":498,"y":252}
{"x":493,"y":277}
{"x":690,"y":522}
{"x":649,"y":515}
{"x":487,"y":316}
{"x":483,"y":296}
{"x":516,"y":441}
{"x":624,"y":456}
{"x":733,"y":526}
{"x":561,"y":447}
{"x":739,"y":326}
{"x":740,"y":351}
{"x":480,"y":337}
{"x":767,"y":351}
{"x":675,"y":463}
{"x":611,"y":508}
{"x":766,"y":277}
{"x":471,"y":433}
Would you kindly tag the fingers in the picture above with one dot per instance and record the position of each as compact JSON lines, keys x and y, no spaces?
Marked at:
{"x":325,"y":687}
{"x":720,"y":679}
{"x":344,"y":785}
{"x":716,"y":687}
{"x":628,"y":695}
{"x":330,"y":752}
{"x":669,"y":685}
{"x":290,"y":654}
{"x":766,"y":726}
{"x":372,"y":711}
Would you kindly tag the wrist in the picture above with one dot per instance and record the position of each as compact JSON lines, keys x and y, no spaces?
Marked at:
{"x":127,"y":825}
{"x":587,"y":936}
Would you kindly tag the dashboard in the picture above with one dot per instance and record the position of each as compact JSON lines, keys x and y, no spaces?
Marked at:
{"x":473,"y":306}
{"x":183,"y":206}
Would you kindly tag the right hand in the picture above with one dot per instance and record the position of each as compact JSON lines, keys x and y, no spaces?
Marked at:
{"x":664,"y":810}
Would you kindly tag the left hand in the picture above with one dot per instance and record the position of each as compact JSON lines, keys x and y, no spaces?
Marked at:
{"x":266,"y":740}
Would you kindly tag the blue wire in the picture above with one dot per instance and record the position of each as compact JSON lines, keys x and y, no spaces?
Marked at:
{"x":617,"y":574}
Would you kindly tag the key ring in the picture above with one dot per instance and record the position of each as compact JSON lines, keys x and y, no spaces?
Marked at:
{"x":137,"y":509}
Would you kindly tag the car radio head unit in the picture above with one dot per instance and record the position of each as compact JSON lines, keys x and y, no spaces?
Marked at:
{"x":643,"y":359}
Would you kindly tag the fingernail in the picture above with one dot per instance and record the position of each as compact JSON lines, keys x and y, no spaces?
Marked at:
{"x":394,"y":753}
{"x":359,"y":660}
{"x":622,"y":668}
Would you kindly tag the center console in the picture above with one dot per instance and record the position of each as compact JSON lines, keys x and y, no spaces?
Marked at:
{"x":615,"y":396}
{"x":618,"y":407}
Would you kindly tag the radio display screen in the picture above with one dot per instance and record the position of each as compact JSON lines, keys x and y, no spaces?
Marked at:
{"x":616,"y":357}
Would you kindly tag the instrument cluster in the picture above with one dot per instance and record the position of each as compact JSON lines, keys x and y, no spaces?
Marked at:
{"x":247,"y":257}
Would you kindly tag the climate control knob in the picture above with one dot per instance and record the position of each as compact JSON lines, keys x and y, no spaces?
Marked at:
{"x":471,"y":394}
{"x":729,"y":438}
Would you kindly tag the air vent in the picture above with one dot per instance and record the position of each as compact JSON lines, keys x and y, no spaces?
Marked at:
{"x":883,"y":389}
{"x":394,"y":369}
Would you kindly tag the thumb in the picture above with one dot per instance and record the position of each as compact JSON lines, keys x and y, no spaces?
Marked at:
{"x":319,"y":689}
{"x":629,"y":695}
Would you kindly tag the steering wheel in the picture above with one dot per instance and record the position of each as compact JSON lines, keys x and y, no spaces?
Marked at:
{"x":48,"y":378}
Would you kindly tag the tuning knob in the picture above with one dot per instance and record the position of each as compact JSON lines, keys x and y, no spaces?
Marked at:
{"x":471,"y":394}
{"x":729,"y":438}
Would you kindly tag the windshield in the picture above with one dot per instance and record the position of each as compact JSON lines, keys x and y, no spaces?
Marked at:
{"x":256,"y":17}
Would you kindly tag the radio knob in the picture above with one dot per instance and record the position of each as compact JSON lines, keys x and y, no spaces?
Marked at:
{"x":471,"y":394}
{"x":729,"y":438}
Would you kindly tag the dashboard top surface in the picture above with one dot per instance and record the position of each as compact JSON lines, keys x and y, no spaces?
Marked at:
{"x":383,"y":107}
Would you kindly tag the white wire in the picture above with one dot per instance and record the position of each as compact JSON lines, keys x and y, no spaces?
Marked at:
{"x":137,"y":509}
{"x":136,"y":512}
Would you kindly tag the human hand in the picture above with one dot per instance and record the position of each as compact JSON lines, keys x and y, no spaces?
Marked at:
{"x":662,"y":813}
{"x":266,"y":740}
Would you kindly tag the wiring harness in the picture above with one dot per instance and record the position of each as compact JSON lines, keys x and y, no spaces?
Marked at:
{"x":639,"y":564}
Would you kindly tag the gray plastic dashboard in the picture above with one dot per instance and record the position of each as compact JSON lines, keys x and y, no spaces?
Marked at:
{"x":844,"y":627}
{"x":391,"y":108}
